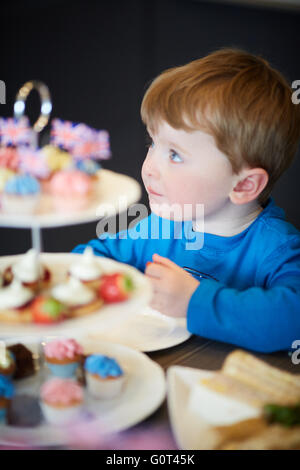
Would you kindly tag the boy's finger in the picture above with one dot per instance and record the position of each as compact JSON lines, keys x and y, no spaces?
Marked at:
{"x":165,"y":261}
{"x":154,"y":270}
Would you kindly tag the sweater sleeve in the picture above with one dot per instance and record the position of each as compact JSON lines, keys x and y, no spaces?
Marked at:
{"x":123,"y":246}
{"x":263,"y":319}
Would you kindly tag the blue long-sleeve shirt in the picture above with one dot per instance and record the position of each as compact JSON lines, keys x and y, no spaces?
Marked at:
{"x":249,"y":294}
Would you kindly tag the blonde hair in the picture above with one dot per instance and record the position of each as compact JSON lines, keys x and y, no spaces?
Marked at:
{"x":240,"y":100}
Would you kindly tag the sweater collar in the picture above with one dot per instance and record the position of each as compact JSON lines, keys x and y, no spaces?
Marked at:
{"x":221,"y":243}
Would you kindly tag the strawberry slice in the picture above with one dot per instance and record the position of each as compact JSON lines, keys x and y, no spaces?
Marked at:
{"x":115,"y":287}
{"x":47,"y":310}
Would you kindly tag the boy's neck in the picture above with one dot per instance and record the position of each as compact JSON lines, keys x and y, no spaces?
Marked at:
{"x":230,"y":220}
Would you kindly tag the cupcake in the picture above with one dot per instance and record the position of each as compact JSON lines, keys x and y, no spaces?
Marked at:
{"x":9,"y":158}
{"x":79,"y":298}
{"x":90,"y":167}
{"x":104,"y":376}
{"x":61,"y":400}
{"x":7,"y":361}
{"x":6,"y":394}
{"x":56,"y":160}
{"x":15,"y":303}
{"x":24,"y":361}
{"x":71,"y":190}
{"x":5,"y":175}
{"x":21,"y":195}
{"x":63,"y":357}
{"x":87,"y":269}
{"x":29,"y":270}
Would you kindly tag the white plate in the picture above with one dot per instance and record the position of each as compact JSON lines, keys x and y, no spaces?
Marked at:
{"x":106,"y":317}
{"x":194,"y":410}
{"x":114,"y":193}
{"x":146,"y":330}
{"x":143,"y":393}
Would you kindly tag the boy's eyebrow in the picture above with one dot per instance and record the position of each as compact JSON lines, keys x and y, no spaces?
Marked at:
{"x":172,"y":144}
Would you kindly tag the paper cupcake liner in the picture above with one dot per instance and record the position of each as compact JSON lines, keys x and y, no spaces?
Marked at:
{"x":63,"y":370}
{"x":105,"y":388}
{"x":61,"y":415}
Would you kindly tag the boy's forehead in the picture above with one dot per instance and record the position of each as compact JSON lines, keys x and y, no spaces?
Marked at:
{"x":164,"y":131}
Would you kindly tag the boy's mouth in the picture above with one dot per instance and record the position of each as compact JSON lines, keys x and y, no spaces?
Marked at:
{"x":150,"y":191}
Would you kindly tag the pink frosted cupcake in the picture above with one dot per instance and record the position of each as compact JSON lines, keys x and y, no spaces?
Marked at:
{"x":61,"y":400}
{"x":9,"y":158}
{"x":71,"y":190}
{"x":63,"y":357}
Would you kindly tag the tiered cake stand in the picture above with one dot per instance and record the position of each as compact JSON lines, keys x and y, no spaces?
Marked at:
{"x":113,"y":194}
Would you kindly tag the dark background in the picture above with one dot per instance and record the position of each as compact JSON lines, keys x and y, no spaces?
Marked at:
{"x":98,"y":57}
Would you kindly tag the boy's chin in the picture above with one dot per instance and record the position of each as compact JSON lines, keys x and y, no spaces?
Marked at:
{"x":166,"y":211}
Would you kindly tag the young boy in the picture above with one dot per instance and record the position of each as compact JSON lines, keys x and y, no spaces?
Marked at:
{"x":223,"y":130}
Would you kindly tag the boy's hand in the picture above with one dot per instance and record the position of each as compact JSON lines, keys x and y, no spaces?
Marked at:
{"x":172,"y":286}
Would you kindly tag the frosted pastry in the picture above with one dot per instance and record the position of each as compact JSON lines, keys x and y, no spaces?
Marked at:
{"x":86,"y":268}
{"x":79,"y":298}
{"x":71,"y":190}
{"x":104,"y":376}
{"x":15,"y":302}
{"x":9,"y":158}
{"x":5,"y":175}
{"x":63,"y":357}
{"x":21,"y":195}
{"x":89,"y":166}
{"x":7,"y":364}
{"x":23,"y":359}
{"x":61,"y":400}
{"x":56,"y":158}
{"x":29,"y":270}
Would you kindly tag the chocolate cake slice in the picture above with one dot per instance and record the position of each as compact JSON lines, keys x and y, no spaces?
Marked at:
{"x":24,"y":361}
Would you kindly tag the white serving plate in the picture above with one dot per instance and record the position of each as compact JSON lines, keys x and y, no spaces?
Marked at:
{"x":106,"y":318}
{"x":146,"y":330}
{"x":114,"y":193}
{"x":143,"y":393}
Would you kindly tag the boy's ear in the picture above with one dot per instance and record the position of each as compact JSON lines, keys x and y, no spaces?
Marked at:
{"x":250,"y":183}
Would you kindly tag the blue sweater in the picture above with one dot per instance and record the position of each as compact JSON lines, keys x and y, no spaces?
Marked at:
{"x":249,"y":293}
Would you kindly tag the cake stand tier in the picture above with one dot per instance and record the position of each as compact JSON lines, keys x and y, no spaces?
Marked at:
{"x":114,"y":193}
{"x":103,"y":319}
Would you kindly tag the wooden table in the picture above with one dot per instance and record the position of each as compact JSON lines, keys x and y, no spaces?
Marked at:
{"x":201,"y":353}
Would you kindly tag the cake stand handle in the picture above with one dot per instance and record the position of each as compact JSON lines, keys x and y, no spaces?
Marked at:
{"x":46,"y":105}
{"x":36,"y":238}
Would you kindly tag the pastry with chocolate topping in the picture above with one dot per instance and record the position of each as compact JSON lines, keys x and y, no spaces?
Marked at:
{"x":29,"y":271}
{"x":24,"y":361}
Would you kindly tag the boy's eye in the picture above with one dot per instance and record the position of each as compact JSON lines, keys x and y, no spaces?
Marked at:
{"x":175,"y":157}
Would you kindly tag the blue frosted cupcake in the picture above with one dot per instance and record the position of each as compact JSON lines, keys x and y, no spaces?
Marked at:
{"x":6,"y":393}
{"x":89,"y":166}
{"x":21,"y":194}
{"x":104,"y":376}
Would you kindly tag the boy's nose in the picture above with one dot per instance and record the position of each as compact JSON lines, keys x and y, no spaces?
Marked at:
{"x":150,"y":167}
